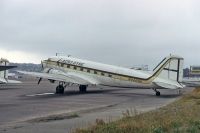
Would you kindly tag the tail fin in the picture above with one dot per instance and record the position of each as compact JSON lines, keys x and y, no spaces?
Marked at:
{"x":171,"y":68}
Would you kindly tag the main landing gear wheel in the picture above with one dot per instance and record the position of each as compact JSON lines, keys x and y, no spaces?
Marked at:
{"x":83,"y":88}
{"x":60,"y":89}
{"x":157,"y":92}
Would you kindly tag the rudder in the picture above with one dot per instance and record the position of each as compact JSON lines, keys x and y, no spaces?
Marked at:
{"x":173,"y":70}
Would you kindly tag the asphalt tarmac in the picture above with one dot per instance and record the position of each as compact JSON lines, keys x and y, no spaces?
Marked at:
{"x":29,"y":107}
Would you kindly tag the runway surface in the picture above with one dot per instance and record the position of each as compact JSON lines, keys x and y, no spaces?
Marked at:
{"x":29,"y":107}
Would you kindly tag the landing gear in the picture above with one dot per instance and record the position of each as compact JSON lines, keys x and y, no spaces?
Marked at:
{"x":83,"y":88}
{"x":179,"y":92}
{"x":60,"y":89}
{"x":157,"y":92}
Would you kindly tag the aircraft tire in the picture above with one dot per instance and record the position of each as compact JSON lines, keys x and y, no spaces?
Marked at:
{"x":157,"y":93}
{"x":60,"y":89}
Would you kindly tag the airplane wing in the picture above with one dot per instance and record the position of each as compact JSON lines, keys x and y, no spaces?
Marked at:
{"x":69,"y":77}
{"x":2,"y":68}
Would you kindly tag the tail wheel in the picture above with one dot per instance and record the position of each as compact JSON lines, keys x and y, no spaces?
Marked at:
{"x":60,"y":89}
{"x":157,"y":92}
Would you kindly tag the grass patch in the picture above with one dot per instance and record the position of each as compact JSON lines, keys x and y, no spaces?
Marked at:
{"x":182,"y":116}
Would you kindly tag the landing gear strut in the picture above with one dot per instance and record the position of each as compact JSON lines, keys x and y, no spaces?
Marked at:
{"x":157,"y":92}
{"x":83,"y":88}
{"x":60,"y":89}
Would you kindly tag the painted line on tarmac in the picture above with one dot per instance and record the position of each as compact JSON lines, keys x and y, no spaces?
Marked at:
{"x":42,"y":94}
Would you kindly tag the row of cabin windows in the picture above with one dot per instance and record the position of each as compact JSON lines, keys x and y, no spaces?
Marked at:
{"x":85,"y":70}
{"x":88,"y":70}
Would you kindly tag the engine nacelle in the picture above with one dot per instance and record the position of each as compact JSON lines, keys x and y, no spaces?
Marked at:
{"x":52,"y":81}
{"x":54,"y":71}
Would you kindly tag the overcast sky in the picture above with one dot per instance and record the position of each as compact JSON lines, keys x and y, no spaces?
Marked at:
{"x":121,"y":32}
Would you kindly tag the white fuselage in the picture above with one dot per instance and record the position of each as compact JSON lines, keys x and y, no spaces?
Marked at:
{"x":101,"y":74}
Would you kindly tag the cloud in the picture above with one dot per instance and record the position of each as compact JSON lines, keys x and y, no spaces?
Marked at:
{"x":127,"y":32}
{"x":20,"y":56}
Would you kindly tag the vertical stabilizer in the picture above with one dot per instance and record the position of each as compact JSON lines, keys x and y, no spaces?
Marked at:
{"x":173,"y":69}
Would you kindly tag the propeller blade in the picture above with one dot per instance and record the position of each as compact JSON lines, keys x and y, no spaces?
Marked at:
{"x":42,"y":65}
{"x":39,"y":81}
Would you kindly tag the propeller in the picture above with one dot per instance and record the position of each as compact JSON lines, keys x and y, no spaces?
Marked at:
{"x":39,"y":81}
{"x":42,"y":65}
{"x":40,"y":77}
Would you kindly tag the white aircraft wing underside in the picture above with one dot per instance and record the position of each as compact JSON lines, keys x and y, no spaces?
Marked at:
{"x":64,"y":77}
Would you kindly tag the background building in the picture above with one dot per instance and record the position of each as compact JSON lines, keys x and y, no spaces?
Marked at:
{"x":193,"y":71}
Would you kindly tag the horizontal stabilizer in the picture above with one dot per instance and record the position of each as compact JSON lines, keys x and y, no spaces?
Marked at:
{"x":170,"y":85}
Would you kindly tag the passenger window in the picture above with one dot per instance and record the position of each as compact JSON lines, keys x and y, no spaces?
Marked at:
{"x":91,"y":71}
{"x":102,"y":74}
{"x":109,"y":75}
{"x":106,"y":74}
{"x":81,"y":69}
{"x":95,"y":72}
{"x":68,"y":66}
{"x":88,"y":70}
{"x":75,"y":68}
